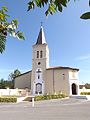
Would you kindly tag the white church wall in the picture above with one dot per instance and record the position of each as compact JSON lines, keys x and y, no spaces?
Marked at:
{"x":73,"y":79}
{"x":76,"y":82}
{"x":73,"y":74}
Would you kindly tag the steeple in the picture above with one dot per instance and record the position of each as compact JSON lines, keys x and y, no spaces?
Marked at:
{"x":41,"y":37}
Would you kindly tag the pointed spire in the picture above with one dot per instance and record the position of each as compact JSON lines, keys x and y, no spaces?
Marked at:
{"x":41,"y":36}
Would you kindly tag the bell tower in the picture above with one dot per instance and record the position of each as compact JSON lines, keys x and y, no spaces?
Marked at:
{"x":40,"y":62}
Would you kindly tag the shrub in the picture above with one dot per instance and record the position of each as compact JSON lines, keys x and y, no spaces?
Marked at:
{"x":37,"y":98}
{"x":48,"y":97}
{"x":8,"y":99}
{"x":85,"y":93}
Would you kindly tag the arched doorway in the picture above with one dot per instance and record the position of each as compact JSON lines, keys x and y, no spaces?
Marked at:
{"x":74,"y":89}
{"x":39,"y":88}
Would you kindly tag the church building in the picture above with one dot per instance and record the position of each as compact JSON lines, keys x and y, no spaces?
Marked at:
{"x":43,"y":79}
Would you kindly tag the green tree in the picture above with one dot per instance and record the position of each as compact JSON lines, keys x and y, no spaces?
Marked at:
{"x":87,"y":85}
{"x":7,"y":28}
{"x":54,"y":6}
{"x":13,"y":75}
{"x":2,"y":85}
{"x":6,"y":84}
{"x":86,"y":15}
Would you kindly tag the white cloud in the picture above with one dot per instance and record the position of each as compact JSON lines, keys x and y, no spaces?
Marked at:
{"x":85,"y":57}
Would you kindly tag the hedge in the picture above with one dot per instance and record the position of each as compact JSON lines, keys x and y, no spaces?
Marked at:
{"x":85,"y":93}
{"x":8,"y":99}
{"x":48,"y":97}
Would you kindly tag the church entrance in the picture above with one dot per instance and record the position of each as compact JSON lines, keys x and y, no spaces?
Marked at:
{"x":74,"y":89}
{"x":38,"y":88}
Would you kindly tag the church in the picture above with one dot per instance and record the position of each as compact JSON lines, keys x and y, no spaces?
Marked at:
{"x":43,"y":79}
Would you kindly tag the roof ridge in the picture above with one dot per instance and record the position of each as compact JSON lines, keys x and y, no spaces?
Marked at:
{"x":61,"y":67}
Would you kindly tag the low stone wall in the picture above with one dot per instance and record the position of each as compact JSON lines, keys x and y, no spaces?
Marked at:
{"x":84,"y":90}
{"x":12,"y":92}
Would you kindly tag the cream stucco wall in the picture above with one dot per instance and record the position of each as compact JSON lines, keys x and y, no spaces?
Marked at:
{"x":57,"y":81}
{"x":23,"y":81}
{"x":44,"y":62}
{"x":73,"y":74}
{"x":45,"y":50}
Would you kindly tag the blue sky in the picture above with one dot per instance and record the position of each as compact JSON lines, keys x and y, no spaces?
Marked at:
{"x":68,"y":38}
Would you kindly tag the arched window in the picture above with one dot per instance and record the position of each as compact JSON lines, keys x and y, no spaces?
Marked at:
{"x":37,"y":54}
{"x":41,"y":54}
{"x":39,"y":88}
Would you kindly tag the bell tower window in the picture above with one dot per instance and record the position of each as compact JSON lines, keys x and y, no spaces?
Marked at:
{"x":41,"y":54}
{"x":37,"y":54}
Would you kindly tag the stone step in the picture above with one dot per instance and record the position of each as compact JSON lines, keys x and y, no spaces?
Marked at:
{"x":86,"y":97}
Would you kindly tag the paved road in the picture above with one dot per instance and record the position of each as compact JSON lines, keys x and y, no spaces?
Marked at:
{"x":67,"y":109}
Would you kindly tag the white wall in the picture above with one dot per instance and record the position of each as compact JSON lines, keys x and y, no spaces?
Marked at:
{"x":84,"y":90}
{"x":17,"y":92}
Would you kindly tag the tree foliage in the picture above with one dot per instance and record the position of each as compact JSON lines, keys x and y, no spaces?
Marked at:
{"x":13,"y":75}
{"x":6,"y":84}
{"x":52,"y":5}
{"x":86,"y":15}
{"x":8,"y":28}
{"x":10,"y":82}
{"x":87,"y":85}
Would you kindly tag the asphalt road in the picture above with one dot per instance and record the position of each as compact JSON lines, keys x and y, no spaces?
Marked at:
{"x":67,"y":109}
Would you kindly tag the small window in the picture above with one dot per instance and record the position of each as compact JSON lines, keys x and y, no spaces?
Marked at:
{"x":37,"y":54}
{"x":39,"y":63}
{"x":41,"y":54}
